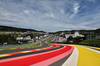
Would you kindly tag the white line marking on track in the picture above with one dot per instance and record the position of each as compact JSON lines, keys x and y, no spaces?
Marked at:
{"x":53,"y":59}
{"x":92,"y":49}
{"x":73,"y":59}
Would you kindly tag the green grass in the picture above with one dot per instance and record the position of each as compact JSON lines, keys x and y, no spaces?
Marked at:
{"x":53,"y":36}
{"x":49,"y":41}
{"x":92,"y":42}
{"x":35,"y":45}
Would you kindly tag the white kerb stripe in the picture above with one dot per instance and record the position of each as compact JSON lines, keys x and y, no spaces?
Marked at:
{"x":73,"y":59}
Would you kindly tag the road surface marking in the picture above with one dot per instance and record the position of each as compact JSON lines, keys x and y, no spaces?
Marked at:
{"x":73,"y":59}
{"x":87,"y":57}
{"x":53,"y":59}
{"x":93,"y":47}
{"x":10,"y":54}
{"x":26,"y":51}
{"x":3,"y":55}
{"x":93,"y":50}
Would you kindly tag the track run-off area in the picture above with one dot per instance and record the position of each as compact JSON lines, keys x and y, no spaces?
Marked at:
{"x":53,"y":55}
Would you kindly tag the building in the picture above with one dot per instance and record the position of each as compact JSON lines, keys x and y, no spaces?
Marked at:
{"x":76,"y":34}
{"x":28,"y":38}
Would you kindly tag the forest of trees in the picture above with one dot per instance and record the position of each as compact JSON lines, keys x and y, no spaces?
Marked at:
{"x":8,"y":38}
{"x":11,"y":38}
{"x":97,"y":31}
{"x":8,"y":28}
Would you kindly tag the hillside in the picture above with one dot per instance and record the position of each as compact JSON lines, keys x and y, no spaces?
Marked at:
{"x":97,"y":31}
{"x":8,"y":28}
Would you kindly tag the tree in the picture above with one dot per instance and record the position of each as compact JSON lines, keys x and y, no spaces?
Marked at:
{"x":77,"y":39}
{"x":70,"y":38}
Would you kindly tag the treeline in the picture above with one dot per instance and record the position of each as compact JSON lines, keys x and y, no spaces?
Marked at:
{"x":8,"y":38}
{"x":75,"y":40}
{"x":97,"y":31}
{"x":92,"y":42}
{"x":8,"y":28}
{"x":83,"y":41}
{"x":11,"y":38}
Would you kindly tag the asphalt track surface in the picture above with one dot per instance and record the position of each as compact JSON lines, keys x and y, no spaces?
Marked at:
{"x":17,"y":55}
{"x":52,"y":54}
{"x":43,"y":45}
{"x":40,"y":57}
{"x":61,"y":61}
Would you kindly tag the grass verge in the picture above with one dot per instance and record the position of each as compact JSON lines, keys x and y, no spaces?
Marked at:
{"x":35,"y":45}
{"x":93,"y":42}
{"x":53,"y":36}
{"x":49,"y":41}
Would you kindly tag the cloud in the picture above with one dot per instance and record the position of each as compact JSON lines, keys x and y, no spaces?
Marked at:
{"x":49,"y":15}
{"x":26,"y":11}
{"x":75,"y":9}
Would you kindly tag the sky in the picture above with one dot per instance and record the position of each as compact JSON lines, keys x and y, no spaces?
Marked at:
{"x":51,"y":15}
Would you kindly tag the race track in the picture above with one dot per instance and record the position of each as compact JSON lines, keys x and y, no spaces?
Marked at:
{"x":42,"y":57}
{"x":49,"y":54}
{"x":52,"y":54}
